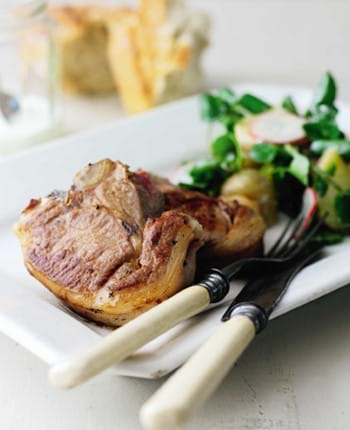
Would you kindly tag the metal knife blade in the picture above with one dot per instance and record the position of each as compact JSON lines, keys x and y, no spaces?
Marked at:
{"x":266,"y":292}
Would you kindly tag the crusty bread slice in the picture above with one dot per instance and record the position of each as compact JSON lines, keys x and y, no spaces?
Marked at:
{"x":81,"y":37}
{"x":155,"y":54}
{"x":150,"y":55}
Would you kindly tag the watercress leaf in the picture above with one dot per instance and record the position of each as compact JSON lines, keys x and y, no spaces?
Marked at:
{"x":229,"y":121}
{"x":342,"y":206}
{"x":289,"y":105}
{"x":299,"y":166}
{"x":226,"y":151}
{"x":253,"y":104}
{"x":231,"y":163}
{"x":324,"y":112}
{"x":322,"y":130}
{"x":263,"y":153}
{"x":318,"y":147}
{"x":210,"y":107}
{"x":328,"y":237}
{"x":222,"y":146}
{"x":326,"y":91}
{"x":342,"y":146}
{"x":227,"y":95}
{"x":205,"y":171}
{"x":320,"y":185}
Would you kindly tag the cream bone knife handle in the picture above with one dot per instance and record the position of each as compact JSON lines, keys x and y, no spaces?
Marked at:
{"x":185,"y":391}
{"x":127,"y":339}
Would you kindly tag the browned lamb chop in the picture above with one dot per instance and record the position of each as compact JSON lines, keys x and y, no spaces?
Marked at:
{"x":119,"y":242}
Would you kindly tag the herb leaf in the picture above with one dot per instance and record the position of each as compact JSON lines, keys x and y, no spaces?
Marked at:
{"x":289,"y":105}
{"x":323,"y":129}
{"x":253,"y":104}
{"x":300,"y":165}
{"x":328,"y":237}
{"x":211,"y":108}
{"x":226,"y":150}
{"x":263,"y":153}
{"x":342,"y":206}
{"x":222,"y":146}
{"x":322,"y":123}
{"x":227,"y":95}
{"x":326,"y":91}
{"x":342,"y":146}
{"x":320,"y":185}
{"x":206,"y":176}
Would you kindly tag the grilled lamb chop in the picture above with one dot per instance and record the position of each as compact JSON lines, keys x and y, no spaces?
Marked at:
{"x":119,"y":242}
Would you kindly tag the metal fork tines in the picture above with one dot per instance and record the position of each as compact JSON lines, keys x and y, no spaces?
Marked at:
{"x":292,"y":240}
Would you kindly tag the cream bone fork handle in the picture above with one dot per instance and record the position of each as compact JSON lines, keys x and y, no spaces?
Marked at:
{"x":124,"y":341}
{"x":185,"y":391}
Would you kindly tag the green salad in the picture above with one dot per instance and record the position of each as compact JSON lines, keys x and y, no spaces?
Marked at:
{"x":270,"y":154}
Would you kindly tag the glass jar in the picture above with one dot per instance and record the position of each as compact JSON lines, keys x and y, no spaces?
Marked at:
{"x":28,"y":75}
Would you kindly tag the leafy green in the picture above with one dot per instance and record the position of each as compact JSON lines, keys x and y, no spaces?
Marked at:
{"x":227,"y":95}
{"x":285,"y":158}
{"x":289,"y":105}
{"x":226,"y":150}
{"x":326,"y":91}
{"x":211,"y":107}
{"x":328,"y":237}
{"x":321,"y":116}
{"x":342,"y":206}
{"x":263,"y":153}
{"x":220,"y":106}
{"x":342,"y":146}
{"x":292,"y":168}
{"x":224,"y":107}
{"x":322,"y":127}
{"x":206,"y":176}
{"x":320,"y":185}
{"x":299,"y":166}
{"x":253,"y":104}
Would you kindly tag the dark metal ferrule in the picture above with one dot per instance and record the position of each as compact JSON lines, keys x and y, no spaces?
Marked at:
{"x":254,"y":312}
{"x":216,"y":284}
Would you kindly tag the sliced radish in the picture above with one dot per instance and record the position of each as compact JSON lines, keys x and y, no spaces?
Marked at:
{"x":310,"y":202}
{"x":278,"y":126}
{"x":309,"y":208}
{"x":274,"y":126}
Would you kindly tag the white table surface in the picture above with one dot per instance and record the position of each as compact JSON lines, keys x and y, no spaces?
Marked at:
{"x":296,"y":374}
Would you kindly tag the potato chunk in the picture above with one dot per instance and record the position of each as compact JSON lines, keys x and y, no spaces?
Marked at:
{"x":252,"y":184}
{"x":331,"y":160}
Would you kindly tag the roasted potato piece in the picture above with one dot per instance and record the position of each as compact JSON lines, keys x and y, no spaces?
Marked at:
{"x":331,"y":160}
{"x":252,"y":184}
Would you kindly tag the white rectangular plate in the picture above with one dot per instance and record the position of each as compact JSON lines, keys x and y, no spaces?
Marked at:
{"x":158,"y":141}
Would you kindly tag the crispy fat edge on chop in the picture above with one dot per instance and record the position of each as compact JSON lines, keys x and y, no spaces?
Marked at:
{"x":119,"y":242}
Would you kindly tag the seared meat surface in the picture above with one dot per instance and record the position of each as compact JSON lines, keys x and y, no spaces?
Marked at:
{"x":119,"y":242}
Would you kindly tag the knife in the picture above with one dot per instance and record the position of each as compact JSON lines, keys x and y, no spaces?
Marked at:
{"x":198,"y":378}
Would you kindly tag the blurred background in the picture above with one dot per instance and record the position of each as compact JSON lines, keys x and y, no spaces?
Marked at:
{"x":275,"y":41}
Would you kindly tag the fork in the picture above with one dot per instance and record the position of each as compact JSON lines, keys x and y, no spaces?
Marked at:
{"x":124,"y":341}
